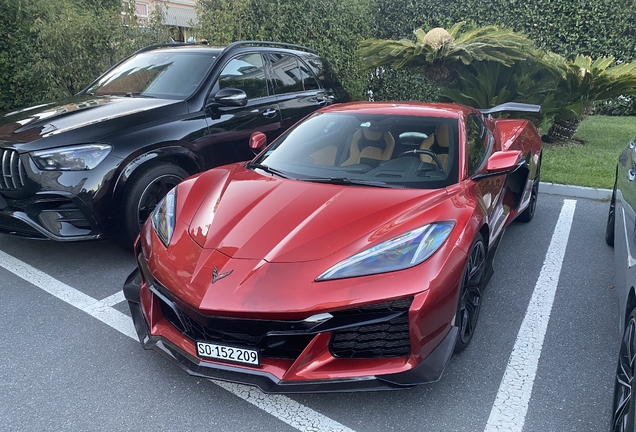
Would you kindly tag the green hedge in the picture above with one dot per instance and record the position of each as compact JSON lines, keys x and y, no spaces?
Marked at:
{"x":53,"y":48}
{"x":591,"y":27}
{"x":331,"y":27}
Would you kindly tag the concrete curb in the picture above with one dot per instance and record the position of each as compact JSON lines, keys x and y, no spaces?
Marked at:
{"x":575,"y":191}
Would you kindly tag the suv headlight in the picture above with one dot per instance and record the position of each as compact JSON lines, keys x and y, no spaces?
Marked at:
{"x":399,"y":253}
{"x":163,"y":217}
{"x":73,"y":158}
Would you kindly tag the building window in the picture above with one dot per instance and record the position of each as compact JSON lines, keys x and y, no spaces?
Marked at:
{"x":141,"y":10}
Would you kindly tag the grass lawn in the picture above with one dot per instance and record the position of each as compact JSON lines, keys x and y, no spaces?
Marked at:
{"x":593,"y":163}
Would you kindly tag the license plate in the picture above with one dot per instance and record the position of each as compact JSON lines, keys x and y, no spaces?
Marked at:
{"x":228,"y":353}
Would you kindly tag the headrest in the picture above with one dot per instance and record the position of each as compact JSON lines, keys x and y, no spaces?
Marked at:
{"x":442,"y":135}
{"x":371,"y":135}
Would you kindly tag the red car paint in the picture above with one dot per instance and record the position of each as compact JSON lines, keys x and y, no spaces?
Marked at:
{"x":275,"y":236}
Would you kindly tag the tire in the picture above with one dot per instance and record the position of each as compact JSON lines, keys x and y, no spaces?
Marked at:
{"x":623,"y":409}
{"x":528,"y":213}
{"x":470,"y":294}
{"x":143,"y":194}
{"x":611,"y":216}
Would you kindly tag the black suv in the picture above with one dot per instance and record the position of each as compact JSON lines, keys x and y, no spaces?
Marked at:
{"x":97,"y":164}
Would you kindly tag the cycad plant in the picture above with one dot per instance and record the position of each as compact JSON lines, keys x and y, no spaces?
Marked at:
{"x":439,"y":52}
{"x":487,"y":66}
{"x":582,"y":82}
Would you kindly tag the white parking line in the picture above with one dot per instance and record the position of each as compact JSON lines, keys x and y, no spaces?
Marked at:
{"x":511,"y":404}
{"x":116,"y":298}
{"x":283,"y":408}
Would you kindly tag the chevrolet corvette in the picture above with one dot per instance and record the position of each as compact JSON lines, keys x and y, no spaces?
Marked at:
{"x":350,"y":254}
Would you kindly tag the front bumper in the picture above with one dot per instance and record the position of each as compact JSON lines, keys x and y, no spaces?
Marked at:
{"x":430,"y":369}
{"x":58,"y":205}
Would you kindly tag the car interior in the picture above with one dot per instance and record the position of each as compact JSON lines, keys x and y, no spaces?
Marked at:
{"x":386,"y":148}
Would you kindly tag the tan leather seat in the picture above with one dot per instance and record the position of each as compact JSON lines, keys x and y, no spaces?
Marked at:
{"x":438,"y":143}
{"x":370,"y":144}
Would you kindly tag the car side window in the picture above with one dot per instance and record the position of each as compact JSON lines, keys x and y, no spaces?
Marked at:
{"x":309,"y":80}
{"x":286,"y":73}
{"x":245,"y":72}
{"x":476,"y":143}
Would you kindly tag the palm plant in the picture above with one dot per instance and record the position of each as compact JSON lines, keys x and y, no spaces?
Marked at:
{"x":584,"y":81}
{"x":438,"y":52}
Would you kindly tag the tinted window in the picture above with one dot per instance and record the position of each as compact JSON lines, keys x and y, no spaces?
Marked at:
{"x":309,"y":80}
{"x":286,"y":73}
{"x":156,"y":73}
{"x":477,"y":145}
{"x":246,"y":73}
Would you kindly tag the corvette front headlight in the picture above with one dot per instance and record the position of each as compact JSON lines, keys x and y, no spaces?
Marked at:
{"x":163,"y":217}
{"x":73,"y":158}
{"x":399,"y":253}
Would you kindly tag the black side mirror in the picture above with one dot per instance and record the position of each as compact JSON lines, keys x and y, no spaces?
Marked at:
{"x":230,"y":97}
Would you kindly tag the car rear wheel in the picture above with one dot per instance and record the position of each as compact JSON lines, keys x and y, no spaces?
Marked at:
{"x":528,"y":213}
{"x":623,"y":411}
{"x":143,"y":195}
{"x":609,"y":229}
{"x":470,"y":294}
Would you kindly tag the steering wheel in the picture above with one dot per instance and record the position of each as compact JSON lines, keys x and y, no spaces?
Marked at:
{"x":417,"y":152}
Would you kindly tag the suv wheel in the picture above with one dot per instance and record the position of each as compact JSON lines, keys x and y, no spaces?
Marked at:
{"x":142,"y":196}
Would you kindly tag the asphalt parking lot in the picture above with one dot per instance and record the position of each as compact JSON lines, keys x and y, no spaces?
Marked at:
{"x":69,"y":360}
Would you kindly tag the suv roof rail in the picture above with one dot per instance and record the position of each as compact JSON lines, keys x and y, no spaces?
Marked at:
{"x":268,"y":43}
{"x":162,"y":45}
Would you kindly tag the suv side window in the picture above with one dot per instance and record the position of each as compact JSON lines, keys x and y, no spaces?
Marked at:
{"x":245,"y":72}
{"x":286,"y":73}
{"x":309,"y":80}
{"x":477,"y":145}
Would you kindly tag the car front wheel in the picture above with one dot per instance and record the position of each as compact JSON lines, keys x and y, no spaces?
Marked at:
{"x":142,"y":196}
{"x":624,"y":385}
{"x":470,"y":294}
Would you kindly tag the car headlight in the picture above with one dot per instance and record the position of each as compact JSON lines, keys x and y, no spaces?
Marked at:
{"x":164,"y":216}
{"x":399,"y":253}
{"x":73,"y":158}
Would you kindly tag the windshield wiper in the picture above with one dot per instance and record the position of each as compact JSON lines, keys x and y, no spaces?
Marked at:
{"x":266,"y":169}
{"x":353,"y":182}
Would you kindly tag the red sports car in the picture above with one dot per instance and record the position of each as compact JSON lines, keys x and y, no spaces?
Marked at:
{"x":351,"y":254}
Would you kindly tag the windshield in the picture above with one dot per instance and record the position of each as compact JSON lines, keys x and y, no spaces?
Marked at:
{"x":163,"y":74}
{"x":384,"y":150}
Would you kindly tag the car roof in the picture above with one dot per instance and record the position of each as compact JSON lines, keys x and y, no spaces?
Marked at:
{"x":411,"y":108}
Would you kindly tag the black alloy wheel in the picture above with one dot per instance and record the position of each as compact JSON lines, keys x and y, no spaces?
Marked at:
{"x":609,"y":229}
{"x":146,"y":190}
{"x":470,"y":295}
{"x":153,"y":194}
{"x":624,"y":385}
{"x":528,"y":213}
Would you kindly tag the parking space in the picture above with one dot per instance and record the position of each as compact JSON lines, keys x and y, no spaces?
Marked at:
{"x":65,"y":367}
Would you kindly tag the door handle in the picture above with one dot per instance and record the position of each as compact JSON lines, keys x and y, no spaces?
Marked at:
{"x":631,"y":175}
{"x":269,"y":112}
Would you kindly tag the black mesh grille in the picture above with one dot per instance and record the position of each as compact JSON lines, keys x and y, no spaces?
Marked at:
{"x":386,"y":339}
{"x":12,"y":174}
{"x":13,"y":225}
{"x":240,"y":332}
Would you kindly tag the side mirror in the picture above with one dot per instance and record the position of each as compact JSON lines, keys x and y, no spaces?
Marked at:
{"x":231,"y":97}
{"x":258,"y":141}
{"x":502,"y":162}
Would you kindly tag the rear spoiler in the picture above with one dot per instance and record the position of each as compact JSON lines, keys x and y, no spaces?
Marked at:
{"x":512,"y":106}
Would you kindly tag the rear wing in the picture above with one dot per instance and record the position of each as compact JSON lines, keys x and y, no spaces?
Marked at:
{"x":512,"y":106}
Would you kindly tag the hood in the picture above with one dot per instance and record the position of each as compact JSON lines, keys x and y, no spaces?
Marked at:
{"x":90,"y":113}
{"x":246,"y":215}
